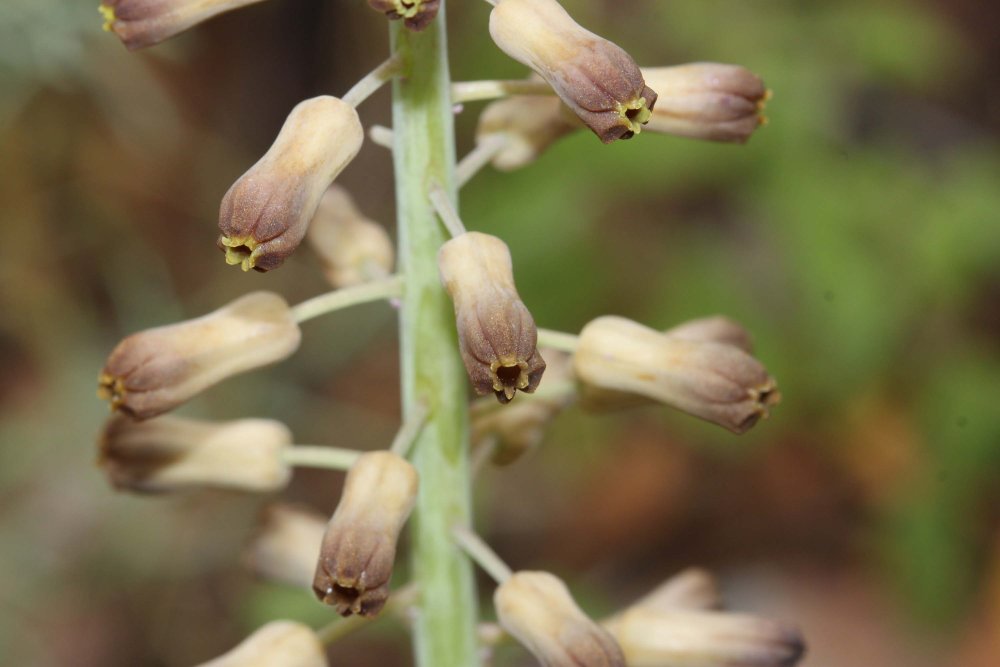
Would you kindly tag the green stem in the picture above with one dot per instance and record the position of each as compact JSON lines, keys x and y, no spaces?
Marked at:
{"x":345,"y":297}
{"x":424,"y":153}
{"x":319,"y":456}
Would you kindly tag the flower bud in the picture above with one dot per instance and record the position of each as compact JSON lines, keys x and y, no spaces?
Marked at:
{"x":140,"y":23}
{"x":353,"y":248}
{"x":359,"y":547}
{"x":416,"y":14}
{"x":529,"y":124}
{"x":679,"y":638}
{"x":596,"y":79}
{"x":717,"y":329}
{"x":520,"y":428}
{"x":266,"y":212}
{"x":173,"y":454}
{"x":707,"y":101}
{"x":692,"y":589}
{"x":496,"y":333}
{"x":156,"y":370}
{"x":716,"y":382}
{"x":285,"y":545}
{"x":277,"y":644}
{"x":536,"y":609}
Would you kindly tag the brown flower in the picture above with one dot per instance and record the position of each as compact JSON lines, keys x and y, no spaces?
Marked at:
{"x":707,"y":101}
{"x":537,"y":609}
{"x":359,"y":547}
{"x":496,"y":333}
{"x":692,"y":589}
{"x":140,"y":23}
{"x":156,"y":370}
{"x":265,"y":214}
{"x":684,"y":638}
{"x":416,"y":14}
{"x":528,"y":124}
{"x":520,"y":427}
{"x":277,"y":644}
{"x":352,"y":248}
{"x":594,"y":77}
{"x":715,"y":381}
{"x":173,"y":454}
{"x":716,"y":329}
{"x":286,"y":543}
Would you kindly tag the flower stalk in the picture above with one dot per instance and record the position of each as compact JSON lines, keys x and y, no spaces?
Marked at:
{"x":423,"y":154}
{"x":376,"y":290}
{"x":475,"y":91}
{"x":319,"y":456}
{"x":372,"y":81}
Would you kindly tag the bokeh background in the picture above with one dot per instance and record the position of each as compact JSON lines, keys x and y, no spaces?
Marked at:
{"x":857,"y":236}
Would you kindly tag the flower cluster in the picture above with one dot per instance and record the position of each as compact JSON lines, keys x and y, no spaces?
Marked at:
{"x":704,"y":367}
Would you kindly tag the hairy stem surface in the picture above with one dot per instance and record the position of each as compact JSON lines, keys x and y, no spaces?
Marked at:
{"x":432,"y":372}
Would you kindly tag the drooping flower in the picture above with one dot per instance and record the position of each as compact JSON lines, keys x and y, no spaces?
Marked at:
{"x":537,"y":609}
{"x":528,"y":125}
{"x":519,"y":428}
{"x":154,"y":371}
{"x":707,"y":101}
{"x":277,"y":644}
{"x":595,"y":78}
{"x":141,"y":23}
{"x":717,"y":382}
{"x":285,"y":545}
{"x":496,"y":333}
{"x":173,"y":454}
{"x":352,"y":248}
{"x":359,"y":546}
{"x":685,"y":638}
{"x":265,"y":214}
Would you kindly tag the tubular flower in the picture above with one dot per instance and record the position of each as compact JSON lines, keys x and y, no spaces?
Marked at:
{"x":683,"y":638}
{"x":716,"y":329}
{"x":154,"y":371}
{"x":285,"y":545}
{"x":537,"y":609}
{"x":692,"y":589}
{"x":416,"y":14}
{"x":353,"y":248}
{"x":716,"y":382}
{"x":266,"y":212}
{"x":172,"y":454}
{"x":596,"y":79}
{"x":496,"y":333}
{"x":528,"y":124}
{"x":277,"y":644}
{"x":707,"y":101}
{"x":359,"y":547}
{"x":141,"y":23}
{"x":520,"y":428}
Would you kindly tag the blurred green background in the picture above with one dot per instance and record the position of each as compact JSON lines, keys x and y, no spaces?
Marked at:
{"x":857,"y":236}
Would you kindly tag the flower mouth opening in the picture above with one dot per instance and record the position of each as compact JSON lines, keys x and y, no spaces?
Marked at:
{"x":508,"y":378}
{"x":108,"y":14}
{"x":345,"y":598}
{"x":633,"y":116}
{"x":764,"y":397}
{"x":242,"y":252}
{"x":407,"y":9}
{"x":111,"y":389}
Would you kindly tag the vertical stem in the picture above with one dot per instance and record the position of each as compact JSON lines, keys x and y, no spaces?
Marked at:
{"x":424,"y":153}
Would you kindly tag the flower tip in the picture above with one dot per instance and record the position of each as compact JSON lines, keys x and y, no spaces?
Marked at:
{"x":242,"y":252}
{"x":763,"y":398}
{"x":108,"y":14}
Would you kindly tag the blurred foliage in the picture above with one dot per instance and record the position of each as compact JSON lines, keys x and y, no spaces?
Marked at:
{"x":857,"y":236}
